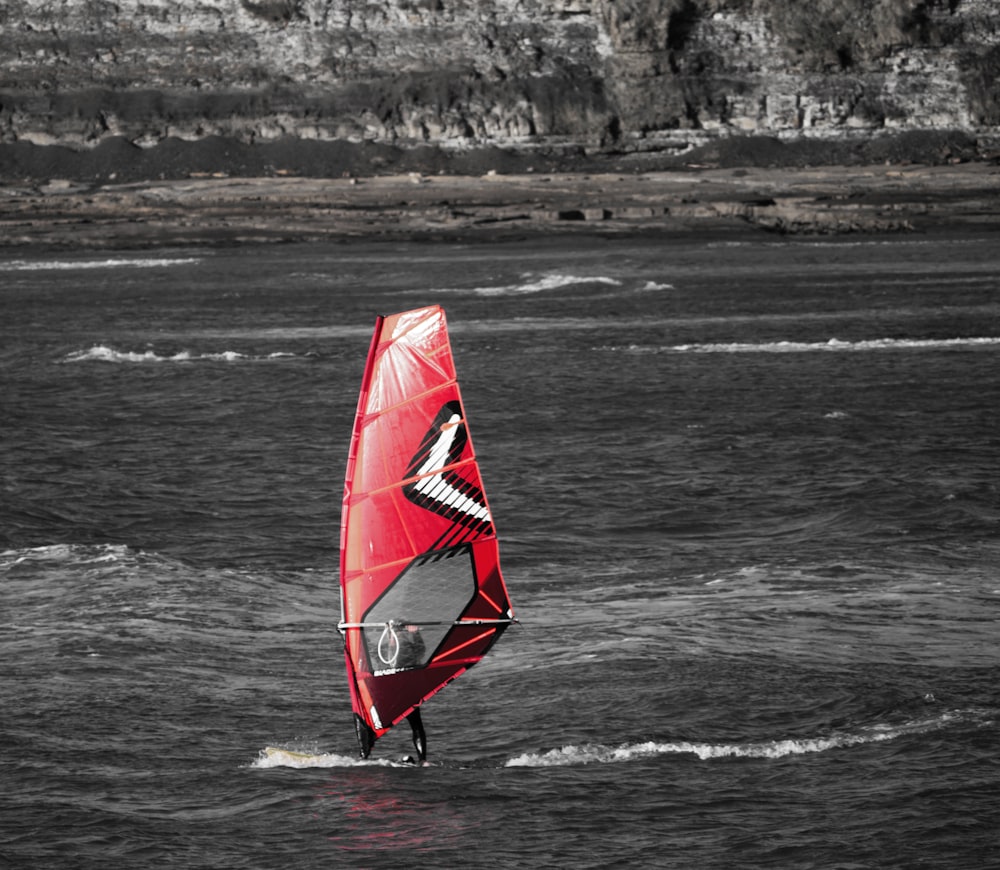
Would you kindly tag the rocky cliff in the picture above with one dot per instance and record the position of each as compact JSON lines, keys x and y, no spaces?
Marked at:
{"x":136,"y":87}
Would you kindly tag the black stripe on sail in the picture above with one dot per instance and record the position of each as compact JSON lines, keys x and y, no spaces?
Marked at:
{"x":437,"y":555}
{"x":447,"y":494}
{"x":447,"y":412}
{"x":458,"y":535}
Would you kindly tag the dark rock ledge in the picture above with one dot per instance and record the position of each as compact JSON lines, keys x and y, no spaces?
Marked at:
{"x":218,"y":210}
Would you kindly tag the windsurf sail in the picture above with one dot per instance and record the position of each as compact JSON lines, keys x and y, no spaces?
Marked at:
{"x":422,"y":597}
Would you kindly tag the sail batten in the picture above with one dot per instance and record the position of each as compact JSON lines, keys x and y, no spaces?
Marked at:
{"x":422,"y":595}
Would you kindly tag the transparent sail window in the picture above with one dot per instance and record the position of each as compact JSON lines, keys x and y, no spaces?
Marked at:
{"x":416,"y":612}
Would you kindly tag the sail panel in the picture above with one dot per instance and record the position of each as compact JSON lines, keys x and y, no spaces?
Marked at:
{"x":422,"y":598}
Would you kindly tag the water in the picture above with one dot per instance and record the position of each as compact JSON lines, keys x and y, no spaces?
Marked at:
{"x":748,"y":502}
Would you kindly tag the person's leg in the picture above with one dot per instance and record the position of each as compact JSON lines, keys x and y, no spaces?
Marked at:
{"x":419,"y":737}
{"x":366,"y":737}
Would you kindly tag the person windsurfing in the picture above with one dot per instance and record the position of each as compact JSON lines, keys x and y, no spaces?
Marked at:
{"x":404,"y":649}
{"x":416,"y":532}
{"x":366,"y":737}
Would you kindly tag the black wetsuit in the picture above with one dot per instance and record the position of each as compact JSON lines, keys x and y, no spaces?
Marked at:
{"x":410,"y":652}
{"x":367,"y":738}
{"x":419,"y":738}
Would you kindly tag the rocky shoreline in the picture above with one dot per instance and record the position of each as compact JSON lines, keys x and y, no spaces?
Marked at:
{"x":175,"y":123}
{"x":65,"y":214}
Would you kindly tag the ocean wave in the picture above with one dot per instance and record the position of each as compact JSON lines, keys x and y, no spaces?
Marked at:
{"x":111,"y":263}
{"x":554,"y":281}
{"x":833,"y":344}
{"x":66,"y":557}
{"x":596,"y":753}
{"x":81,"y":554}
{"x":838,"y":242}
{"x":102,"y":353}
{"x":781,"y":748}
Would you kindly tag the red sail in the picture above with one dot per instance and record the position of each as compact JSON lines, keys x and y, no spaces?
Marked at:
{"x":422,"y":597}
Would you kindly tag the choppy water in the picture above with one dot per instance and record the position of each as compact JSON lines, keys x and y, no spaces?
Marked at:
{"x":748,"y":499}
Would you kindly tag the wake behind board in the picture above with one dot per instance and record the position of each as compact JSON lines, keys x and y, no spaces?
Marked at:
{"x":275,"y":756}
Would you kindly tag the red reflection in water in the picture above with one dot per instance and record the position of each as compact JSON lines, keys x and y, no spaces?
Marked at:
{"x":382,"y":809}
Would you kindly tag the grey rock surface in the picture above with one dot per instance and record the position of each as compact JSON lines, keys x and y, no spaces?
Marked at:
{"x":142,"y":88}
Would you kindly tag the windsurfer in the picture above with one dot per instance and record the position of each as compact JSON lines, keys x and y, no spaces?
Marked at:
{"x":417,"y":543}
{"x":411,"y":647}
{"x":367,"y":737}
{"x":411,"y":652}
{"x":402,"y":647}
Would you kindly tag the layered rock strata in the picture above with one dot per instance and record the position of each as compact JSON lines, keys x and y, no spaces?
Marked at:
{"x":340,"y":83}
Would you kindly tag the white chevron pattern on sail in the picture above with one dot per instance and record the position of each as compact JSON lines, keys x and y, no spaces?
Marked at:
{"x":436,"y":487}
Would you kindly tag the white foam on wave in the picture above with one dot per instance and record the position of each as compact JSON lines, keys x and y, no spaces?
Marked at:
{"x":102,"y":353}
{"x":782,"y":748}
{"x":596,"y":753}
{"x":111,"y":263}
{"x":272,"y":757}
{"x":835,"y":344}
{"x":841,"y":242}
{"x":832,"y":344}
{"x":79,"y":553}
{"x":541,"y":284}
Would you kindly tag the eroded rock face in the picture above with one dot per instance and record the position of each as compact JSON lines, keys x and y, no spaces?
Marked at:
{"x":580,"y":76}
